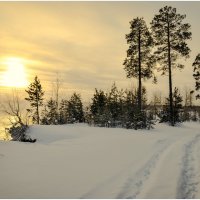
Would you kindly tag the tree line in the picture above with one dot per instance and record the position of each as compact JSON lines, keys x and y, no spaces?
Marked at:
{"x":163,"y":43}
{"x":116,"y":108}
{"x":157,"y":48}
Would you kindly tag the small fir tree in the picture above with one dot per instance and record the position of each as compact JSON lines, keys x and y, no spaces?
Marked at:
{"x":63,"y":112}
{"x":99,"y":102}
{"x":98,"y":108}
{"x":130,"y":105}
{"x":35,"y":98}
{"x":114,"y":104}
{"x":52,"y":114}
{"x":177,"y":108}
{"x":75,"y":109}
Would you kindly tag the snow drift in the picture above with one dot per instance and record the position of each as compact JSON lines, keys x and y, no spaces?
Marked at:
{"x":78,"y":161}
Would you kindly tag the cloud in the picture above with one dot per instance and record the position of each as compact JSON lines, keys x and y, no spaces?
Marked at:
{"x":83,"y":41}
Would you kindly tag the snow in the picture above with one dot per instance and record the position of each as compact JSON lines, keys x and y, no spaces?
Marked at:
{"x":79,"y":161}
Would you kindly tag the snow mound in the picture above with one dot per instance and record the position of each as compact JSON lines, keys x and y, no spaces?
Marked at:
{"x":79,"y":161}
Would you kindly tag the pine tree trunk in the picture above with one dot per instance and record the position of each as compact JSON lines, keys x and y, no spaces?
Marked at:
{"x":139,"y":78}
{"x":170,"y":76}
{"x":57,"y":95}
{"x":37,"y":108}
{"x":38,"y":117}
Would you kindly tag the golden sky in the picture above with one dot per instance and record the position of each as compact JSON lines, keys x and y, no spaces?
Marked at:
{"x":84,"y":42}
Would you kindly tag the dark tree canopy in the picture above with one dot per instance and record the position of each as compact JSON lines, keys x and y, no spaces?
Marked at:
{"x":177,"y":107}
{"x":114,"y":102}
{"x":63,"y":112}
{"x":99,"y":108}
{"x":196,"y":74}
{"x":170,"y":36}
{"x":99,"y":102}
{"x":52,"y":114}
{"x":139,"y":52}
{"x":75,"y":108}
{"x":139,"y":62}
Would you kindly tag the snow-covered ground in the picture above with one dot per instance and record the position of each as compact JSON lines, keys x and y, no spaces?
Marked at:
{"x":78,"y":161}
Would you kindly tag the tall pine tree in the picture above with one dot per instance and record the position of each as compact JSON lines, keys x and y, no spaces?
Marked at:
{"x":170,"y":35}
{"x":139,"y":62}
{"x":35,"y":98}
{"x":196,"y":74}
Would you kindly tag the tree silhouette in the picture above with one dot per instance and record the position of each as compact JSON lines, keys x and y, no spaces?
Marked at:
{"x":75,"y":108}
{"x":52,"y":114}
{"x":139,"y":62}
{"x":170,"y":35}
{"x":35,"y":98}
{"x":177,"y":107}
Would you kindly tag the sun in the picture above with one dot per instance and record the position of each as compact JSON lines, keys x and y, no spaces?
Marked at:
{"x":15,"y":75}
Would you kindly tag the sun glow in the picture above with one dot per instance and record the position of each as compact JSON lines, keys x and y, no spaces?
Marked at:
{"x":15,"y":75}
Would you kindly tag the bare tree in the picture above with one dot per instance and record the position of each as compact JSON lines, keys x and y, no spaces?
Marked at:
{"x":56,"y":89}
{"x":17,"y":118}
{"x":12,"y":109}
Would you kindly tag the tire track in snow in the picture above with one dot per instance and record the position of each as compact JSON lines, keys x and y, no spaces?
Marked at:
{"x":162,"y":143}
{"x":188,"y":184}
{"x":133,"y":185}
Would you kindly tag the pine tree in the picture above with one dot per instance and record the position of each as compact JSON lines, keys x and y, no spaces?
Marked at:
{"x":99,"y":109}
{"x":178,"y":99}
{"x":63,"y":112}
{"x":134,"y":118}
{"x":44,"y":117}
{"x":130,"y":105}
{"x":75,"y":108}
{"x":139,"y":62}
{"x":141,"y":119}
{"x":107,"y":109}
{"x":49,"y":114}
{"x":119,"y":108}
{"x":99,"y":102}
{"x":52,"y":114}
{"x":115,"y":104}
{"x":35,"y":98}
{"x":177,"y":108}
{"x":170,"y":35}
{"x":196,"y":74}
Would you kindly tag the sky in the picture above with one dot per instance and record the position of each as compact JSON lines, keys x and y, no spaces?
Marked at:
{"x":83,"y":43}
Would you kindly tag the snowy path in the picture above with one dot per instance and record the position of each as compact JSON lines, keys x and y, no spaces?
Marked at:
{"x":78,"y":161}
{"x":189,"y":183}
{"x":179,"y":176}
{"x":135,"y":183}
